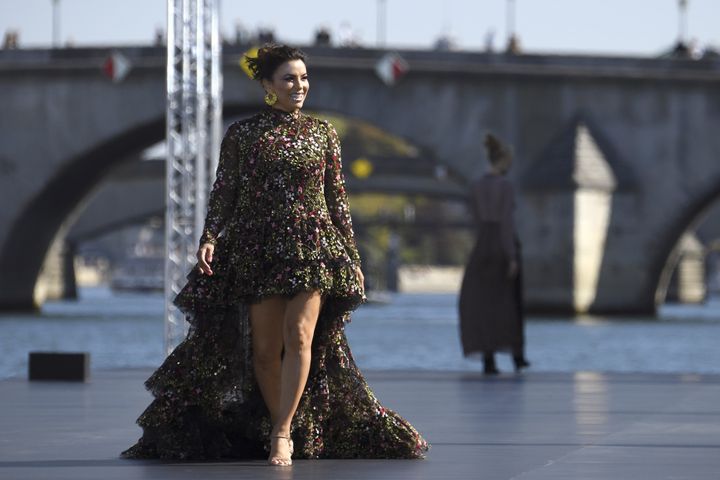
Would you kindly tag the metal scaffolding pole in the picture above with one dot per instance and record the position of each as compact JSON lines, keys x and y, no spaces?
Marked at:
{"x":56,"y":23}
{"x":194,"y":122}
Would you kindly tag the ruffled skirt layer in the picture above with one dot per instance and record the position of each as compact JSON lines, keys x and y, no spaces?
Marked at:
{"x":207,"y":404}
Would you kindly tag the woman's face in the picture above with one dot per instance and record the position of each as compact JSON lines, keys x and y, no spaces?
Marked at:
{"x":290,"y":84}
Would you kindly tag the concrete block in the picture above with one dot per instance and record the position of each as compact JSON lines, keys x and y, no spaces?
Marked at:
{"x":67,"y":366}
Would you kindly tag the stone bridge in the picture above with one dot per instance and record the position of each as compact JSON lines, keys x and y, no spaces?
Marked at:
{"x":615,"y":157}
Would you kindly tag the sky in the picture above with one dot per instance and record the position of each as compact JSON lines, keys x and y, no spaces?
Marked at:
{"x":614,"y":27}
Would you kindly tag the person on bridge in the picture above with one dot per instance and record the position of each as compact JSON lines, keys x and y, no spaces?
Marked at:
{"x":266,"y":365}
{"x":490,"y":303}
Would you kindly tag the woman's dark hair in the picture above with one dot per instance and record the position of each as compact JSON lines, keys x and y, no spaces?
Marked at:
{"x":269,"y":57}
{"x":496,"y":151}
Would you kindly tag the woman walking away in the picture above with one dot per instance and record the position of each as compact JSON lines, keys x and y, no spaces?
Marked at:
{"x":490,"y":304}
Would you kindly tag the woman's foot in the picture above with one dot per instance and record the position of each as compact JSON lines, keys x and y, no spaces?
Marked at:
{"x":520,"y":362}
{"x":489,"y":367}
{"x":281,"y":450}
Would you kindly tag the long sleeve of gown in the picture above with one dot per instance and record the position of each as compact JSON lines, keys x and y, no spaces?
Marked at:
{"x":224,"y":190}
{"x":336,"y":196}
{"x":507,"y":223}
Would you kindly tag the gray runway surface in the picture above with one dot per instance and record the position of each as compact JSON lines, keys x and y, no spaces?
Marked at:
{"x":535,"y":426}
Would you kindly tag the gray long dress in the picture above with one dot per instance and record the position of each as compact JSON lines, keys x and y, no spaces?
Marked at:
{"x":489,"y":304}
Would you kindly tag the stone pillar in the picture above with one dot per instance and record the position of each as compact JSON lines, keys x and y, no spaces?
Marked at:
{"x":594,"y":186}
{"x":688,"y":284}
{"x":57,"y":276}
{"x":568,"y":194}
{"x":393,"y":262}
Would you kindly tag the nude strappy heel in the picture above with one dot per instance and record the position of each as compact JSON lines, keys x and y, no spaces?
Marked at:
{"x":280,"y":461}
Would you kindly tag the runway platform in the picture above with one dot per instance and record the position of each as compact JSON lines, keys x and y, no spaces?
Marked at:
{"x":535,"y":426}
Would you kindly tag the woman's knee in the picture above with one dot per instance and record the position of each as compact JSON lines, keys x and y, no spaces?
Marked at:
{"x":301,"y":317}
{"x":267,"y":320}
{"x":299,"y":335}
{"x":267,"y":347}
{"x":266,"y":354}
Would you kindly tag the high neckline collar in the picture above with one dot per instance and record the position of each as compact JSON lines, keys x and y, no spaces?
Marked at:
{"x":282,"y":115}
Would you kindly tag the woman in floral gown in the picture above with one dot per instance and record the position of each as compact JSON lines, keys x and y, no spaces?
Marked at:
{"x":266,"y":364}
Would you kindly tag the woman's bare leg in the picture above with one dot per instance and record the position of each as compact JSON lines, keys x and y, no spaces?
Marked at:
{"x":278,"y":322}
{"x":301,"y":316}
{"x":267,"y":319}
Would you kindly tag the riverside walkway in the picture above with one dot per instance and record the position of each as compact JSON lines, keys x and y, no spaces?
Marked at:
{"x":535,"y":426}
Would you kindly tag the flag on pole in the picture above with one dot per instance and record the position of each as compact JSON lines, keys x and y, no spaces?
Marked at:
{"x":391,"y":67}
{"x":116,"y":67}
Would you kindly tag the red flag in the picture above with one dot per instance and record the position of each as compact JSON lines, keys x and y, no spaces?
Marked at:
{"x":116,"y":67}
{"x":391,"y":67}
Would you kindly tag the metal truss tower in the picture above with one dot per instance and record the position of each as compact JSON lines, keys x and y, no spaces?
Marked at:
{"x":194,"y":122}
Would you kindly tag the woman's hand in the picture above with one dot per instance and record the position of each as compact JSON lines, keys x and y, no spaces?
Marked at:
{"x":360,"y":278}
{"x":205,"y":256}
{"x":513,"y":269}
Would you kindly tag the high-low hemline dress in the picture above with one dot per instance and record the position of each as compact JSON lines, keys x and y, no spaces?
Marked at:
{"x":279,"y":219}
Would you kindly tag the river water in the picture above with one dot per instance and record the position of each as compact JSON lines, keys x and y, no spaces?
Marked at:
{"x":413,"y":331}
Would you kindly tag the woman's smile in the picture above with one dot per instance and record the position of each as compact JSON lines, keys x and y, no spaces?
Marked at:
{"x":290,"y":83}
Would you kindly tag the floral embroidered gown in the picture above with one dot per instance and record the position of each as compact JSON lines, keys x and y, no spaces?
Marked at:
{"x":279,"y":219}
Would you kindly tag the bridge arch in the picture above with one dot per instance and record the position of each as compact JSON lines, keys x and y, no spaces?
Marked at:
{"x":49,"y":212}
{"x":49,"y":215}
{"x":684,"y":220}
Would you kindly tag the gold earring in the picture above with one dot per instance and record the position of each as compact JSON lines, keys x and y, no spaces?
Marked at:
{"x":270,"y":98}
